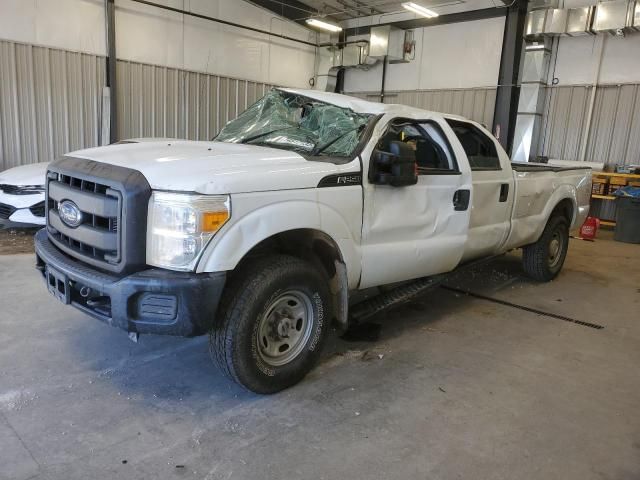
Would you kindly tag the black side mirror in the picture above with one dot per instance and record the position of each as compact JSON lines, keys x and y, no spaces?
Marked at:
{"x":397,"y":167}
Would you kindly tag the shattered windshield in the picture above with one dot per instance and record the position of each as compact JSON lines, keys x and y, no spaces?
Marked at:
{"x":294,"y":122}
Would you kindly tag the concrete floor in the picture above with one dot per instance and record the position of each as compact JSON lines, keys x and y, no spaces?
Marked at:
{"x":465,"y":388}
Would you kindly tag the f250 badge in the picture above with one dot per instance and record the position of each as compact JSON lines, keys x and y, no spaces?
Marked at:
{"x":342,"y":180}
{"x":69,"y":213}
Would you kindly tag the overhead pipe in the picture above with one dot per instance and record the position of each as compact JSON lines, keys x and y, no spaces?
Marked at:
{"x":339,"y":44}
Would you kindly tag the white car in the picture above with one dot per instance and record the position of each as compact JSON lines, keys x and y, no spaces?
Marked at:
{"x":262,"y":236}
{"x":22,"y":195}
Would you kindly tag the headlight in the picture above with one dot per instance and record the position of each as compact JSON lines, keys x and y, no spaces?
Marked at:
{"x":180,"y":225}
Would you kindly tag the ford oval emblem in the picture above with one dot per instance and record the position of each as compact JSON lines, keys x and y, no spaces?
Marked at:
{"x":69,"y":213}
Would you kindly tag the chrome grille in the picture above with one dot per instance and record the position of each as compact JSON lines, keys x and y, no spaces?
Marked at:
{"x":113,"y":203}
{"x":97,"y":237}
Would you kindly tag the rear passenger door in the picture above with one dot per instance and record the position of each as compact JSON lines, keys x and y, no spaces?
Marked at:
{"x":493,"y":189}
{"x":416,"y":230}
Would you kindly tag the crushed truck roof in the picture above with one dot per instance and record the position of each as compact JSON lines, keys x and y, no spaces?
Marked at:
{"x":363,"y":106}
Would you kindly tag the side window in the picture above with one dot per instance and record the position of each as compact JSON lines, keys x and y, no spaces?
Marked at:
{"x":426,"y":139}
{"x":480,"y":149}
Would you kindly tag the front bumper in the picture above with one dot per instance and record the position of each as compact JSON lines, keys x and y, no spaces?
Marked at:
{"x":15,"y":210}
{"x":151,"y":301}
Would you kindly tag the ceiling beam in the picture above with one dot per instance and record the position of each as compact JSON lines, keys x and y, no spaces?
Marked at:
{"x":359,"y":8}
{"x":298,"y":11}
{"x":290,"y":9}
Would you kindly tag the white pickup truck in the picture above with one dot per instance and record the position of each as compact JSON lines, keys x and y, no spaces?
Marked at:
{"x":260,"y":236}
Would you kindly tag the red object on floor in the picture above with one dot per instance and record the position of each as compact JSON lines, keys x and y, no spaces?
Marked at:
{"x":589,"y":228}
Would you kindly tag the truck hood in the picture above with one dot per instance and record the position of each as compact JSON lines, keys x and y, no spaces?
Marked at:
{"x":215,"y":167}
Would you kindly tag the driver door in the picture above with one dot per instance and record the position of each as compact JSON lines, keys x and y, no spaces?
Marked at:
{"x":417,"y":230}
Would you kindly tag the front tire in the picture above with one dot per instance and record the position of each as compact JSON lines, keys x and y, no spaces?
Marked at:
{"x":544,"y":259}
{"x":272,"y":323}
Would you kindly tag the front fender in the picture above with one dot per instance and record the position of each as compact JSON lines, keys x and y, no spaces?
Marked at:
{"x":233,"y":242}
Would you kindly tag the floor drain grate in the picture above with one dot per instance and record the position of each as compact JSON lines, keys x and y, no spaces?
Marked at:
{"x":523,"y":307}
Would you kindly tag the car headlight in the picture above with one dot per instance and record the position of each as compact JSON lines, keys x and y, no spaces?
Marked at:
{"x":180,"y":225}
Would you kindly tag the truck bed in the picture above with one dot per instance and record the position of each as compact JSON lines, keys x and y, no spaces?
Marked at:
{"x":538,"y":189}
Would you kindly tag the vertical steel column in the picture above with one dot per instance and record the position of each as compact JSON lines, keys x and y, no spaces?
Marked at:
{"x":110,"y":22}
{"x":508,"y":92}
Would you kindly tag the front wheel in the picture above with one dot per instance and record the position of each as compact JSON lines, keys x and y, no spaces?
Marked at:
{"x":272,"y":323}
{"x":543,"y":260}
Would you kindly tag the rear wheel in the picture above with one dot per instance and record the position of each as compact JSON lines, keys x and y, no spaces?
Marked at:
{"x":544,"y":259}
{"x":272,"y":323}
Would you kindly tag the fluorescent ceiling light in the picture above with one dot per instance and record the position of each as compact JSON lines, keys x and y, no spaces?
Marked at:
{"x":316,"y":22}
{"x":419,"y":9}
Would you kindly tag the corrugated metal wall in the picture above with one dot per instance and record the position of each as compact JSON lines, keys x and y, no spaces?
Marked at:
{"x":474,"y":103}
{"x":614,"y":135}
{"x":50,"y":102}
{"x":166,"y":102}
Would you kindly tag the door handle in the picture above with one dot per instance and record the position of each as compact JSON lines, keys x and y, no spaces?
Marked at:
{"x":461,"y":200}
{"x":504,"y":192}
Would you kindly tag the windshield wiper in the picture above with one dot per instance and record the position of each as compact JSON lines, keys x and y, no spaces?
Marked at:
{"x":263,"y":134}
{"x":322,"y":148}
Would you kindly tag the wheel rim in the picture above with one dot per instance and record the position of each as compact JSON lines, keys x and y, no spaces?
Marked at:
{"x":556,"y":247}
{"x":285,"y":328}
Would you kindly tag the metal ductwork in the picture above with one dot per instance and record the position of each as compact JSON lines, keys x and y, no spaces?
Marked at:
{"x":387,"y":41}
{"x":531,"y":101}
{"x":616,"y":17}
{"x":384,"y":42}
{"x":393,"y":43}
{"x":351,"y":55}
{"x":579,"y":21}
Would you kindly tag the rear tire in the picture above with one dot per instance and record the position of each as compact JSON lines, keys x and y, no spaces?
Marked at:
{"x":272,"y":323}
{"x":544,"y":259}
